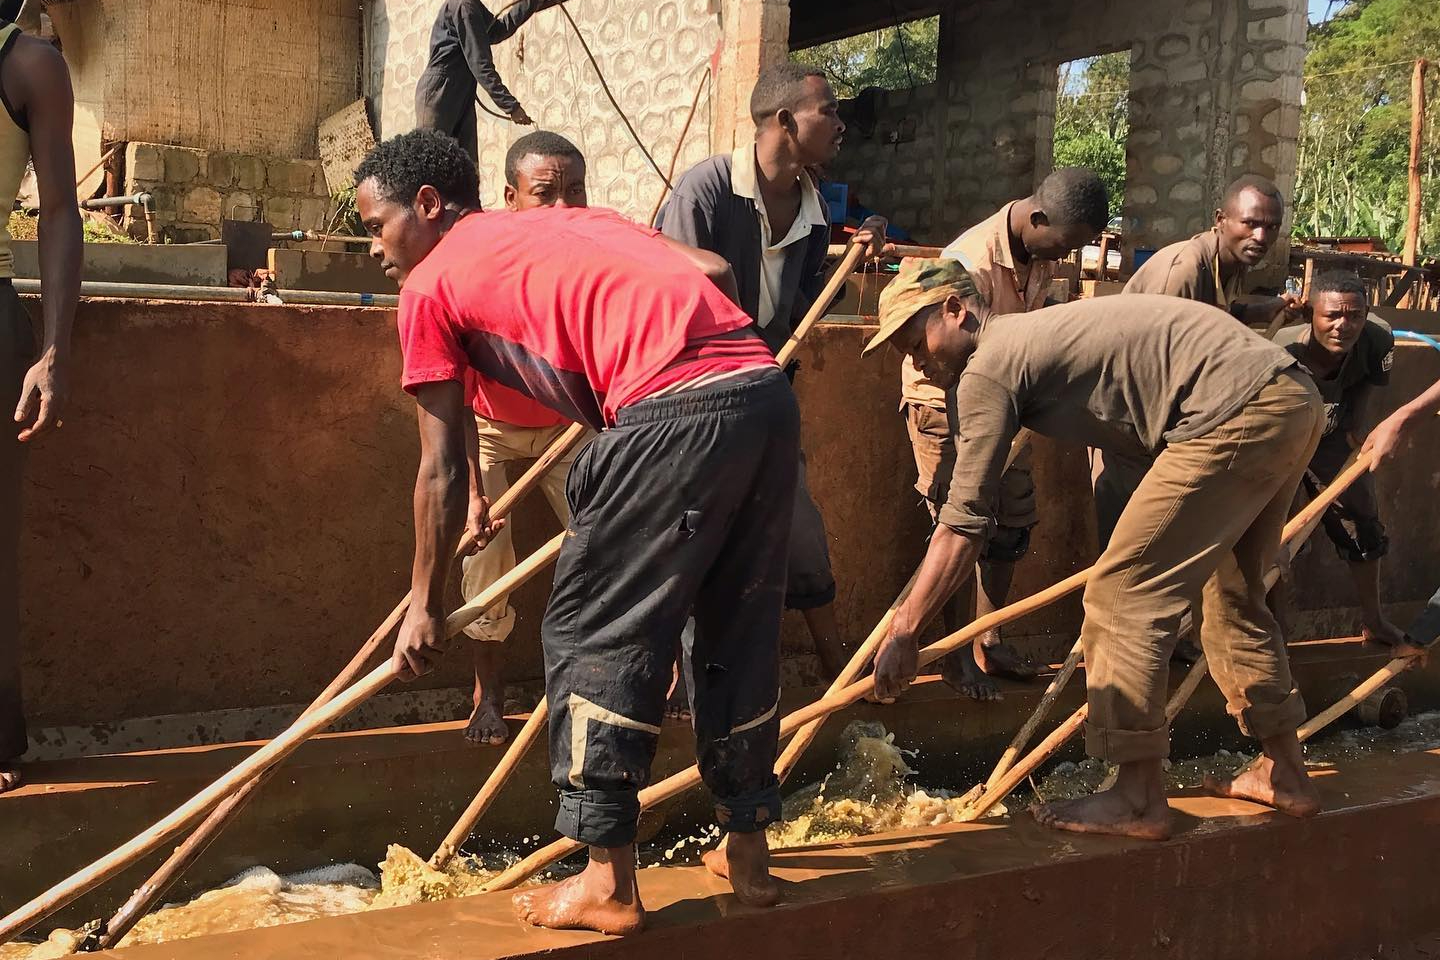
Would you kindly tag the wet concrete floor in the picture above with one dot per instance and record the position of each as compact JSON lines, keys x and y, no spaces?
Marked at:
{"x":1236,"y":882}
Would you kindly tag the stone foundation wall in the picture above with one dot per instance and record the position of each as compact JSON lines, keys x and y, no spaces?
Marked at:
{"x":195,"y":189}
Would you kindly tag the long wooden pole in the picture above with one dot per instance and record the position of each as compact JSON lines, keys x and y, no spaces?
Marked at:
{"x":1352,"y":699}
{"x":893,"y":250}
{"x":273,"y":752}
{"x":261,"y":760}
{"x":460,"y":832}
{"x":1417,"y":138}
{"x":1037,"y":717}
{"x":822,"y":302}
{"x":180,"y":859}
{"x":678,"y":783}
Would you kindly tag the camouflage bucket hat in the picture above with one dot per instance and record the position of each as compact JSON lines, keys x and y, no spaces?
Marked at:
{"x":919,"y":284}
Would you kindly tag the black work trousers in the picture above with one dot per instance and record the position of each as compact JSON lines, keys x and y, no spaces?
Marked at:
{"x":685,"y":504}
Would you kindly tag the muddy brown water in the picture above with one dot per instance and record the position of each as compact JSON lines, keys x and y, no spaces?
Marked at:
{"x":869,"y":791}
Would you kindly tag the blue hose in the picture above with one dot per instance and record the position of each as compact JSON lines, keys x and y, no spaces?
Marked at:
{"x":1412,"y":335}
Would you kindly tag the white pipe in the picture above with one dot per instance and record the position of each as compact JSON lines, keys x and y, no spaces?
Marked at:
{"x":166,"y":291}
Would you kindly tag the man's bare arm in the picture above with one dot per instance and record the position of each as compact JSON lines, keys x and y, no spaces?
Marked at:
{"x":441,"y":494}
{"x":37,"y":72}
{"x":715,"y":267}
{"x":1384,"y":439}
{"x":479,"y":527}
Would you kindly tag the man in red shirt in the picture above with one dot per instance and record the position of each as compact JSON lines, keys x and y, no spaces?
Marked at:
{"x":682,"y":503}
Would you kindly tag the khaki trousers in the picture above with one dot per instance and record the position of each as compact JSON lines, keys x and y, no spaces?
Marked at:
{"x":502,"y":444}
{"x":1202,"y":528}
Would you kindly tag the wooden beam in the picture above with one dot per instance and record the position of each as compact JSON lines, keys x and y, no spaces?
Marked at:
{"x":1417,"y":136}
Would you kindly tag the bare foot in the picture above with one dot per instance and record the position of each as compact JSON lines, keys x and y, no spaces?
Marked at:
{"x":677,"y":702}
{"x":1134,"y":807}
{"x":10,"y":778}
{"x":1270,"y":784}
{"x":587,"y":901}
{"x":1108,"y":812}
{"x":744,"y":860}
{"x":487,"y":724}
{"x":963,"y":675}
{"x":1002,"y":660}
{"x":1383,"y":634}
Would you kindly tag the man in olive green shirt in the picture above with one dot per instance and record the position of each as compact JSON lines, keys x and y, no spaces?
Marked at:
{"x":1227,"y":424}
{"x":1211,"y":267}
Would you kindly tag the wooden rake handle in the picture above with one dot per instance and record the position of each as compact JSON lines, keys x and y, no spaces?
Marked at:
{"x":259,"y":762}
{"x":678,"y":783}
{"x":822,"y":302}
{"x":184,"y":855}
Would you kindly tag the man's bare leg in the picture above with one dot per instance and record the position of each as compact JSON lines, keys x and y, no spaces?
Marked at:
{"x":1133,"y":807}
{"x":677,"y":701}
{"x":825,"y":632}
{"x":745,"y":862}
{"x":1376,"y":630}
{"x":487,"y":720}
{"x":603,"y":897}
{"x":994,"y":657}
{"x":960,"y":670}
{"x":1278,"y":779}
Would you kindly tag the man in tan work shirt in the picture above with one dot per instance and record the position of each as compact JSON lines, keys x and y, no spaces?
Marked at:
{"x":1228,"y":424}
{"x":1011,"y":258}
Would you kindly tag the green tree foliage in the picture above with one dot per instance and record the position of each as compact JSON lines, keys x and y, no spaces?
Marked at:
{"x":895,"y":58}
{"x":1092,"y":119}
{"x":1355,"y":125}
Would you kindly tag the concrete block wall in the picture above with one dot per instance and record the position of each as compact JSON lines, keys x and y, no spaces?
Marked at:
{"x":1215,"y":93}
{"x":653,"y":55}
{"x":195,"y":189}
{"x":756,"y":35}
{"x":888,"y":159}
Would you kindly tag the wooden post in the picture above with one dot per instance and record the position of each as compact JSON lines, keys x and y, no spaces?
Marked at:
{"x":1102,"y":263}
{"x":1417,"y":136}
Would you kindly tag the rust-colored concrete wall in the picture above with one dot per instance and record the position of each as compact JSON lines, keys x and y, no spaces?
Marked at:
{"x":226,"y":514}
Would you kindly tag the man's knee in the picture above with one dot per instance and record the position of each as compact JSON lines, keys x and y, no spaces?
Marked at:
{"x":1008,"y":545}
{"x":1360,"y":540}
{"x":809,"y":579}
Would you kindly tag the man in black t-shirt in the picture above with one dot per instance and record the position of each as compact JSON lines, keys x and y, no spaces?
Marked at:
{"x":1349,"y":353}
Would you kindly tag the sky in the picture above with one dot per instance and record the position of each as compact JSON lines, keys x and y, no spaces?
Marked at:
{"x":1317,"y":9}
